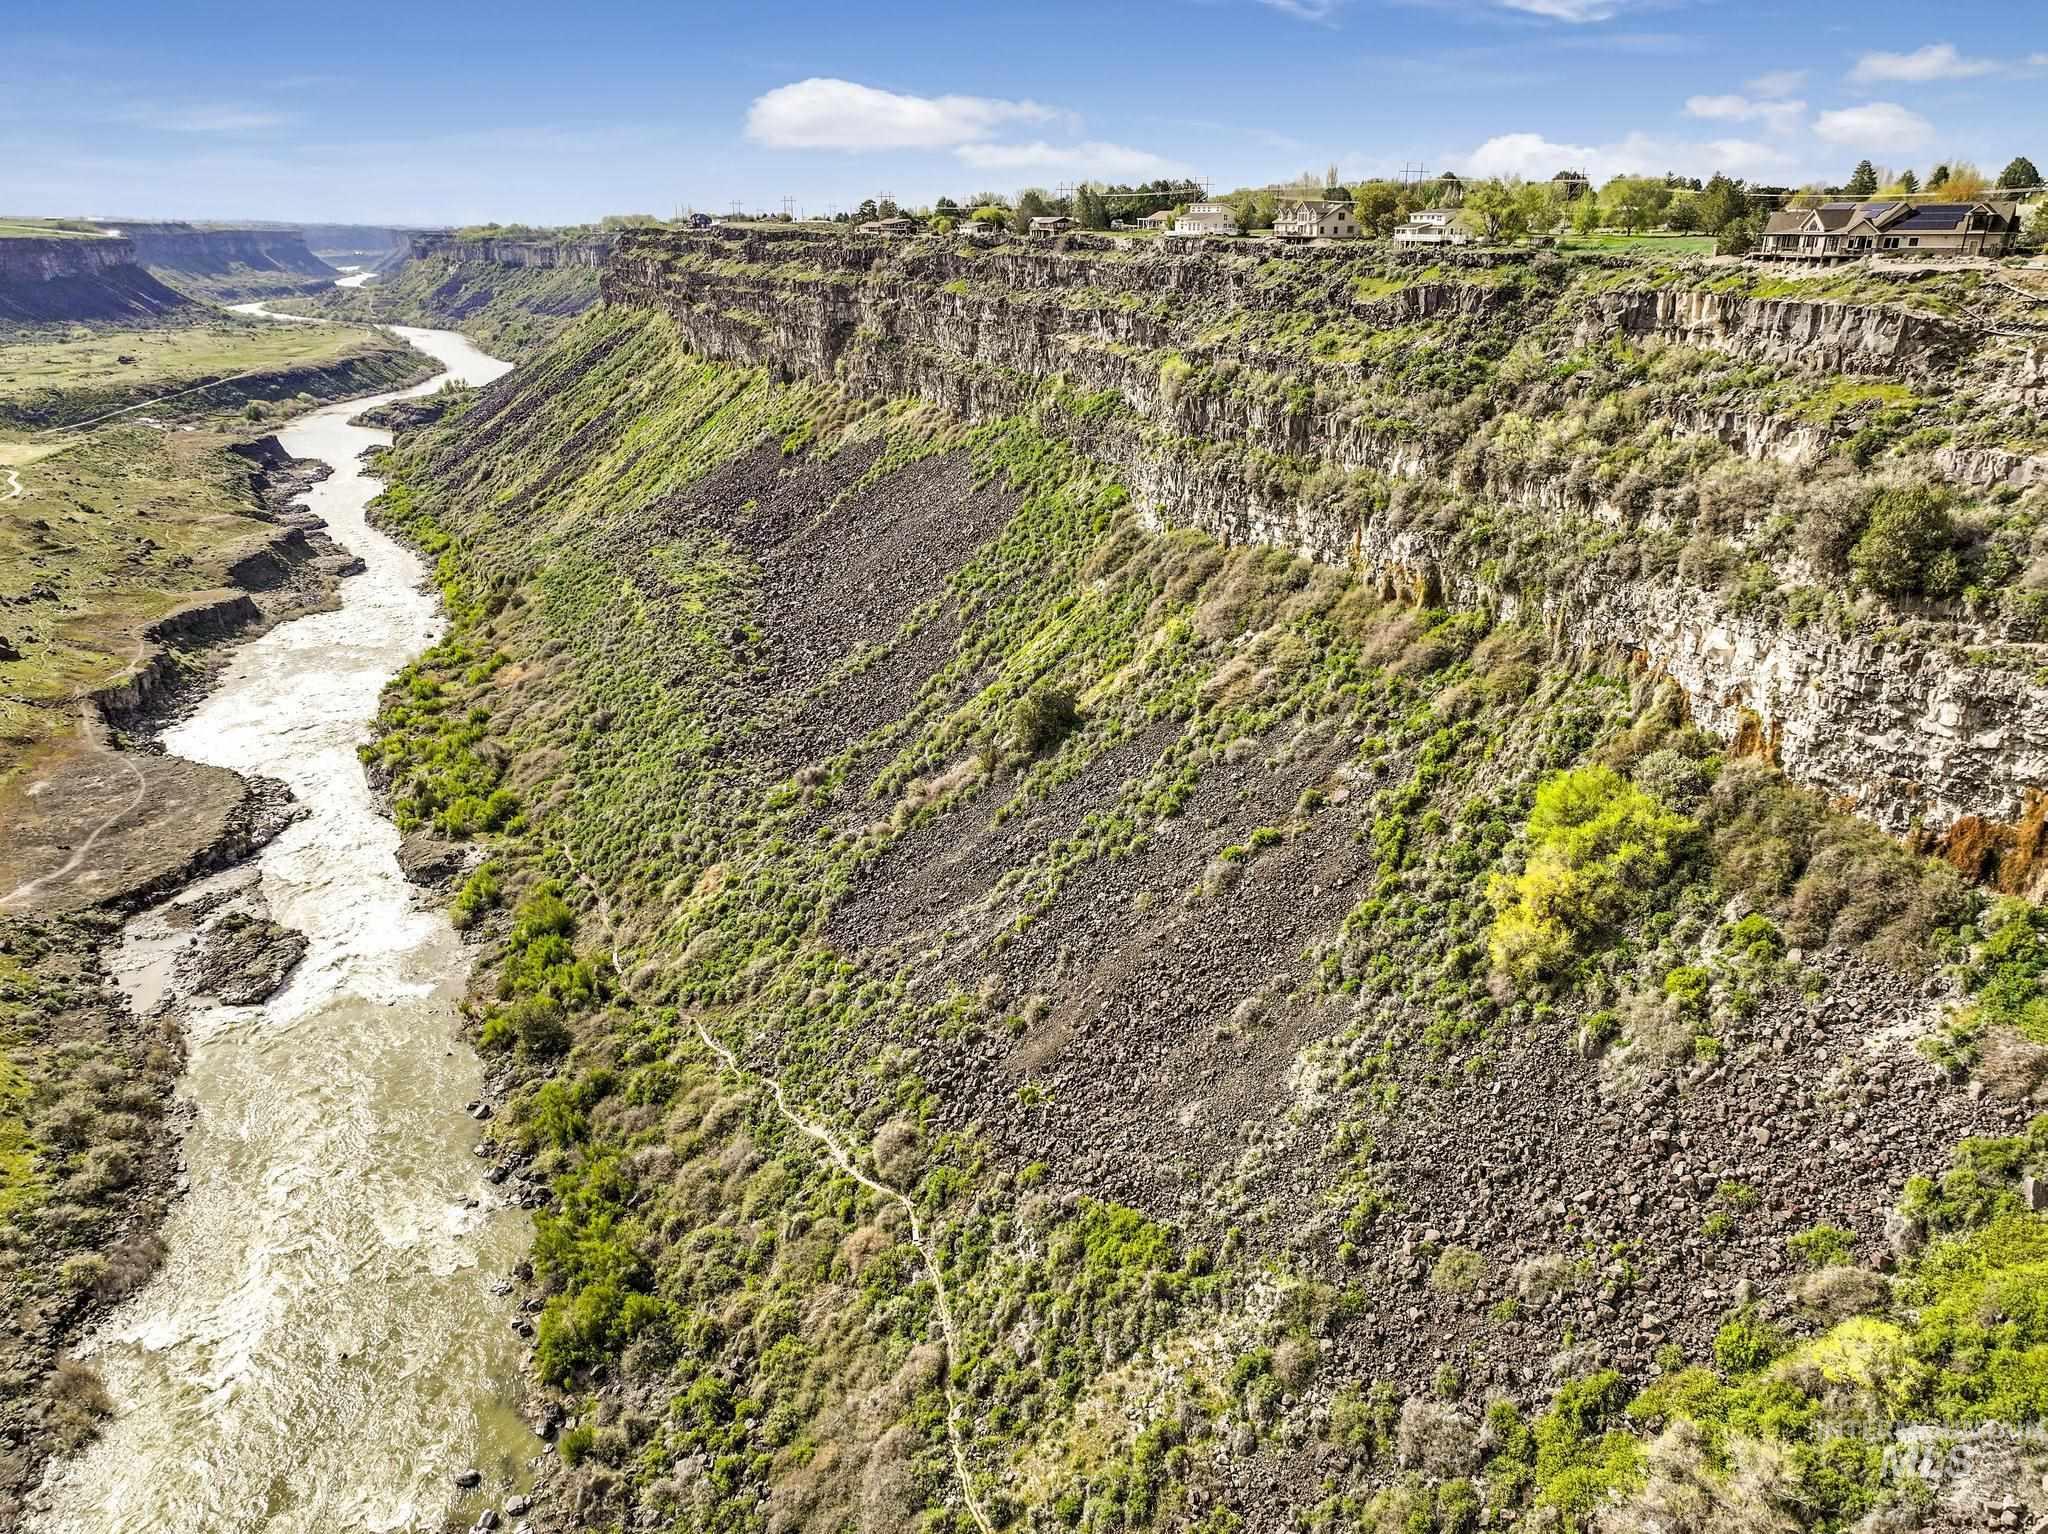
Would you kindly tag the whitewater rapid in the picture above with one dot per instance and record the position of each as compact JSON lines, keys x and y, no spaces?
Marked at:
{"x":330,"y":1340}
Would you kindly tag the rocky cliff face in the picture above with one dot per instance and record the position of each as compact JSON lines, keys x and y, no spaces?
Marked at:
{"x":1849,"y":338}
{"x":591,"y":253}
{"x":210,"y":252}
{"x":1911,"y":730}
{"x":48,"y":280}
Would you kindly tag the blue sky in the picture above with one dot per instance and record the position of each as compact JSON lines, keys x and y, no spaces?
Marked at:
{"x":546,"y":113}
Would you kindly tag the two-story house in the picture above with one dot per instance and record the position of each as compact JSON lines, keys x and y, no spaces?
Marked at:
{"x":1205,"y":218}
{"x":1314,"y":218}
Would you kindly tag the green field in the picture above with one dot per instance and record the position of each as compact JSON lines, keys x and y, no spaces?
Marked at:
{"x":79,"y":374}
{"x":1642,"y":244}
{"x":49,"y":229}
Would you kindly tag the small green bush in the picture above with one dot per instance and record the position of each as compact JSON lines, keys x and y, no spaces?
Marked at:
{"x":1042,"y":718}
{"x":1902,"y":545}
{"x":1823,"y":1246}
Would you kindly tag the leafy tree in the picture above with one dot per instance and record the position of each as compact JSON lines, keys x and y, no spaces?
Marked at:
{"x":1685,"y":216}
{"x":1908,"y":183}
{"x":1031,"y":203}
{"x":2019,"y":173}
{"x":988,"y":216}
{"x":867,"y":210}
{"x":887,"y":208}
{"x":1598,"y":845}
{"x":1572,"y":184}
{"x":1637,"y":201}
{"x":2036,"y":233}
{"x":1378,"y":206}
{"x":945,"y":207}
{"x":1587,"y":213}
{"x":1738,"y":237}
{"x":1965,"y":182}
{"x":1490,"y":210}
{"x":1721,"y":203}
{"x":1937,"y":178}
{"x":1863,"y":180}
{"x":1903,"y":544}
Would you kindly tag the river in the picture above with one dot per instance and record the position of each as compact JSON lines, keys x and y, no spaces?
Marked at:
{"x":329,"y":1341}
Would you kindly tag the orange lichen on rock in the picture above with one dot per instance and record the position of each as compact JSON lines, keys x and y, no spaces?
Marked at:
{"x":1754,"y":738}
{"x":2010,"y":858}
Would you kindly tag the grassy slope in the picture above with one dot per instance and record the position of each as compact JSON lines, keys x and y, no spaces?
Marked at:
{"x":670,"y":673}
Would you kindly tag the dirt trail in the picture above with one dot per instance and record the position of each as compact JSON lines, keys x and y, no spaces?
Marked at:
{"x":843,"y":1159}
{"x":94,"y":732}
{"x":13,"y":483}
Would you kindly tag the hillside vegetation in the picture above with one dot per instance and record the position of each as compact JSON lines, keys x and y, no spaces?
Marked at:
{"x":509,"y":311}
{"x":1357,"y":1063}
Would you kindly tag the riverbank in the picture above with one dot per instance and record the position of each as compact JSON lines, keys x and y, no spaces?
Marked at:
{"x":101,"y":820}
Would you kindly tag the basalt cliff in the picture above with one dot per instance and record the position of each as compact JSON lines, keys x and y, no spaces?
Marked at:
{"x":60,"y":279}
{"x":1310,"y":399}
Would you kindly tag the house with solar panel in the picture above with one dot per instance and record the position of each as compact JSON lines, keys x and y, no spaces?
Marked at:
{"x":1847,"y":231}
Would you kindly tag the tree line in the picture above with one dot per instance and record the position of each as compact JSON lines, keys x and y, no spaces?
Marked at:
{"x":1727,"y":208}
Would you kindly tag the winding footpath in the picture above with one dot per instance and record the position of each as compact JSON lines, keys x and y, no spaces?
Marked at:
{"x":92,"y":727}
{"x":13,"y":484}
{"x":87,"y":718}
{"x":836,"y":1150}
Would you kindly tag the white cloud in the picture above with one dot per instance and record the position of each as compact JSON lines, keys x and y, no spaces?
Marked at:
{"x":1111,"y":162}
{"x":1937,"y":61}
{"x":1534,"y":157}
{"x":1568,"y":10}
{"x":1306,"y":10}
{"x":839,"y":114}
{"x":1875,"y":125}
{"x":1778,"y":116}
{"x":1779,"y":82}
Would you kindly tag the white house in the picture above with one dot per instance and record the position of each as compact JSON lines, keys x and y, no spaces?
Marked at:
{"x":1432,"y":226}
{"x":1205,"y":218}
{"x":1316,"y":219}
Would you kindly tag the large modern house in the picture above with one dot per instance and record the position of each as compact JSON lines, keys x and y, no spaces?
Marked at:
{"x":1205,"y":218}
{"x":1316,"y":219}
{"x":1845,"y":231}
{"x":1432,"y":226}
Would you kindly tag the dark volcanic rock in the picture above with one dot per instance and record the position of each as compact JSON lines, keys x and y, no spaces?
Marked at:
{"x":243,"y":959}
{"x":427,"y":860}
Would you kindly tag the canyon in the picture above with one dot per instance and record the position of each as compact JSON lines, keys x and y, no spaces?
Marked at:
{"x":1204,"y":889}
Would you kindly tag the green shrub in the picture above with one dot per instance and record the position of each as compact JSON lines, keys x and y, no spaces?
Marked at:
{"x":1823,"y":1246}
{"x":1042,"y":718}
{"x":1598,"y":846}
{"x":1902,"y":544}
{"x":1746,"y":1342}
